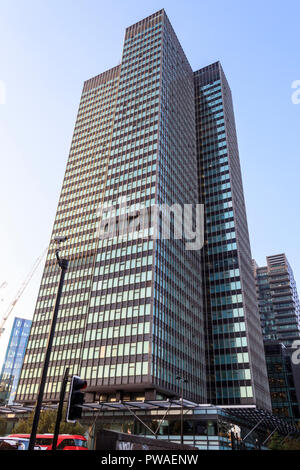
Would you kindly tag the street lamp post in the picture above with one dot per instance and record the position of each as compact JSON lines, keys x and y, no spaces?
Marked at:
{"x":63,"y":264}
{"x":183,"y":381}
{"x":60,"y":408}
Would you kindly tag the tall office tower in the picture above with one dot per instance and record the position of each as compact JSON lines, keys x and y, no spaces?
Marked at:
{"x":278,"y":300}
{"x":13,"y":361}
{"x":130,"y":319}
{"x":236,"y":368}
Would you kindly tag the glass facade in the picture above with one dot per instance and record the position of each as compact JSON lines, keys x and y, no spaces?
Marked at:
{"x":236,"y":367}
{"x":178,"y":322}
{"x":278,"y":300}
{"x":13,"y":361}
{"x":204,"y":427}
{"x":284,"y":381}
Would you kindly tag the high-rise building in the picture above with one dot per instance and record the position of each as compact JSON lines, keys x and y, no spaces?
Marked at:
{"x":236,"y":367}
{"x":131,"y":318}
{"x":278,"y":300}
{"x":279,"y":309}
{"x":13,"y":361}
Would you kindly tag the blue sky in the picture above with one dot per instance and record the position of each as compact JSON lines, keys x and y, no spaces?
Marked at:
{"x":49,"y":47}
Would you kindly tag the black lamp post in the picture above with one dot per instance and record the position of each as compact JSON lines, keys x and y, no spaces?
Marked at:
{"x":63,"y":264}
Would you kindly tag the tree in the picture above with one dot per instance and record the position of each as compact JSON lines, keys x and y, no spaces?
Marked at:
{"x":291,"y":444}
{"x":46,"y":424}
{"x":275,"y":442}
{"x":280,"y":443}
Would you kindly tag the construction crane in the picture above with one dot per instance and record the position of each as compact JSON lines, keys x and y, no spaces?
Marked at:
{"x":20,"y":291}
{"x":2,"y":286}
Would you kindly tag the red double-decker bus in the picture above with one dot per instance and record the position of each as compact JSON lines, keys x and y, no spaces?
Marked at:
{"x":64,"y":441}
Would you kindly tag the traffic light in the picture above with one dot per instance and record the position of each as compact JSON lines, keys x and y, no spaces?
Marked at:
{"x":76,"y":397}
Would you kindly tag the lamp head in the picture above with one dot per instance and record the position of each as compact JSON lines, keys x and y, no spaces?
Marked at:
{"x":59,"y":240}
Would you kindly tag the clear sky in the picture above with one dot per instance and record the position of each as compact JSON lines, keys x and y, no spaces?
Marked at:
{"x":49,"y":47}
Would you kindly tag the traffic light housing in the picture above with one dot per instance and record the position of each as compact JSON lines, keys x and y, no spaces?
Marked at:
{"x":76,"y":398}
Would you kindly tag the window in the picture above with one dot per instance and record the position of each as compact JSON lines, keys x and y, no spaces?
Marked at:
{"x":66,"y":442}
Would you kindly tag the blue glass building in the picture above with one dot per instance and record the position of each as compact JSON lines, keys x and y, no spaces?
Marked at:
{"x":236,"y":369}
{"x":13,"y":361}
